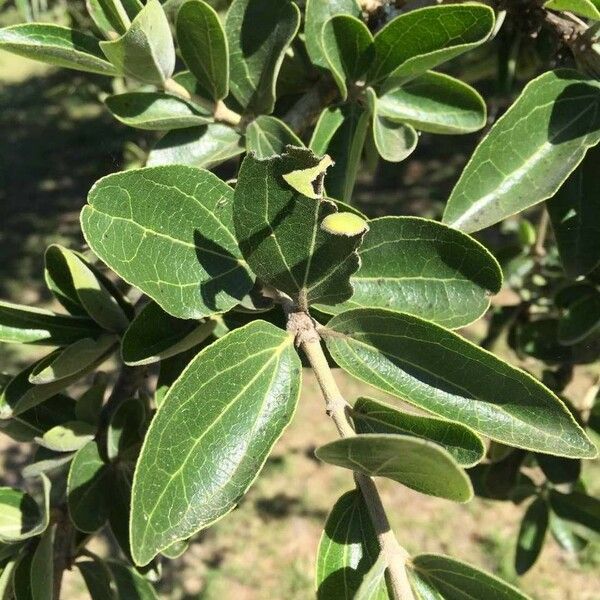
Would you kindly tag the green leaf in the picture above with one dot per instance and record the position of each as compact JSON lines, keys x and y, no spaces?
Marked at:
{"x":371,"y":416}
{"x":531,"y":535}
{"x":423,"y":268}
{"x":176,"y":550}
{"x":317,"y":13}
{"x":87,"y":489}
{"x":120,"y":503}
{"x":7,"y":570}
{"x":73,"y":359}
{"x":46,"y":461}
{"x":126,"y":427}
{"x":98,"y":579}
{"x":416,"y":463}
{"x":42,"y":566}
{"x":529,"y":152}
{"x":56,"y":45}
{"x":436,"y":103}
{"x":20,"y":516}
{"x":575,"y":215}
{"x":373,"y":584}
{"x":154,"y":335}
{"x":349,"y":50}
{"x":437,"y":370}
{"x":109,"y":16}
{"x":204,"y":146}
{"x":280,"y":234}
{"x":564,"y":535}
{"x":347,"y":550}
{"x":456,"y":580}
{"x":131,"y":585}
{"x":145,"y":51}
{"x":89,"y":405}
{"x":267,"y":136}
{"x":258,"y":33}
{"x":330,"y":120}
{"x":559,"y":470}
{"x":27,"y":325}
{"x":154,"y":111}
{"x":211,"y":435}
{"x":187,"y":259}
{"x":68,"y":437}
{"x":203,"y":46}
{"x":22,"y":577}
{"x":171,"y":369}
{"x":421,"y":39}
{"x":20,"y":395}
{"x":581,"y":319}
{"x":577,"y":507}
{"x":585,"y":8}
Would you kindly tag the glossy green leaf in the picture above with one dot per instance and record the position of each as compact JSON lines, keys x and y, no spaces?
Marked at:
{"x":20,"y":516}
{"x":531,"y":535}
{"x":581,"y":319}
{"x":130,"y":584}
{"x":267,"y":136}
{"x":87,"y":489}
{"x":74,"y":359}
{"x":371,"y":416}
{"x":258,"y":33}
{"x":575,"y":215}
{"x":414,"y":462}
{"x":577,"y":507}
{"x":204,"y":146}
{"x":529,"y":152}
{"x":317,"y":13}
{"x":439,"y":371}
{"x":330,"y":120}
{"x":145,"y":51}
{"x":154,"y":335}
{"x":349,"y":50}
{"x":421,"y":39}
{"x":436,"y":103}
{"x":211,"y":435}
{"x":68,"y":437}
{"x":28,"y":325}
{"x":154,"y":111}
{"x":126,"y":427}
{"x":589,"y":9}
{"x":186,"y":260}
{"x":423,"y":268}
{"x":42,"y":566}
{"x":203,"y":46}
{"x":56,"y":45}
{"x":455,"y":580}
{"x":347,"y":550}
{"x":280,"y":234}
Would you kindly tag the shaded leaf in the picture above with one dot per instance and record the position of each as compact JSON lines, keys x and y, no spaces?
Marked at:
{"x":267,"y":136}
{"x":126,"y":427}
{"x":130,"y":584}
{"x":89,"y":404}
{"x":330,"y":120}
{"x":42,"y":566}
{"x":531,"y":535}
{"x":414,"y":462}
{"x":109,"y":16}
{"x":68,"y":437}
{"x":445,"y":374}
{"x":211,"y":435}
{"x":563,"y":534}
{"x":577,"y":507}
{"x":373,"y":583}
{"x":98,"y":579}
{"x":581,"y":319}
{"x":189,"y":263}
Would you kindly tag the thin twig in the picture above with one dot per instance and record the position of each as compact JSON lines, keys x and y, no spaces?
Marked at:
{"x":539,"y":249}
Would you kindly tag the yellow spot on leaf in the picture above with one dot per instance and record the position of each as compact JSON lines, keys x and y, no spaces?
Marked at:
{"x":302,"y":179}
{"x":344,"y":223}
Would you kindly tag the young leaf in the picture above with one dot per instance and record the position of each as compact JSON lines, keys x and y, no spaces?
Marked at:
{"x":42,"y":566}
{"x":267,"y":136}
{"x":20,"y":516}
{"x":126,"y":427}
{"x":577,"y":507}
{"x":317,"y":13}
{"x":169,"y":231}
{"x":531,"y":535}
{"x":154,"y":111}
{"x":585,"y":8}
{"x":349,"y":50}
{"x":204,"y":146}
{"x":529,"y":152}
{"x":68,"y":437}
{"x":580,"y":320}
{"x":347,"y":550}
{"x":279,"y":230}
{"x":56,"y":45}
{"x":27,"y":325}
{"x":423,"y":268}
{"x":445,"y":374}
{"x":454,"y":580}
{"x":211,"y":435}
{"x":575,"y":215}
{"x":259,"y":33}
{"x":154,"y":335}
{"x":371,"y":416}
{"x":414,"y":462}
{"x":145,"y":51}
{"x":436,"y":103}
{"x":87,"y":489}
{"x":203,"y":46}
{"x":421,"y":39}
